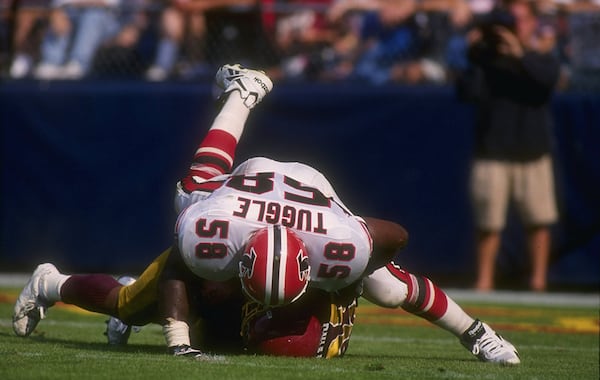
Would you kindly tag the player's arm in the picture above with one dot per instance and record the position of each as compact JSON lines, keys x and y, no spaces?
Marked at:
{"x":388,"y":238}
{"x":173,"y":305}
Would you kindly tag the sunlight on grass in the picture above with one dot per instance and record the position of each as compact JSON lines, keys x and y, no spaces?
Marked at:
{"x":562,"y":344}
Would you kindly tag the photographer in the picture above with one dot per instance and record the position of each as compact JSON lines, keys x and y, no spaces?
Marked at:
{"x":511,"y":80}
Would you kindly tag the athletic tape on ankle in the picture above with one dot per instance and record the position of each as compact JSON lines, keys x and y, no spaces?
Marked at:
{"x":176,"y":333}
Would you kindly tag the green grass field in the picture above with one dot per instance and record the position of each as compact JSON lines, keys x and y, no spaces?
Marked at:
{"x":555,"y":342}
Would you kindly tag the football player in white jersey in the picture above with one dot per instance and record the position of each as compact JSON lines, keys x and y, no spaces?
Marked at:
{"x":270,"y":238}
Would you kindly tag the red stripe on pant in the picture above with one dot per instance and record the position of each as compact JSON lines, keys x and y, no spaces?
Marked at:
{"x":424,"y":298}
{"x":218,"y":139}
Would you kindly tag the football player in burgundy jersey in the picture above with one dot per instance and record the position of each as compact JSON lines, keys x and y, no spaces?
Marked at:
{"x":269,"y":239}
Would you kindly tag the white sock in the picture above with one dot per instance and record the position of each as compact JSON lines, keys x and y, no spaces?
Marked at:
{"x":232,"y":117}
{"x":51,"y":285}
{"x":455,"y":320}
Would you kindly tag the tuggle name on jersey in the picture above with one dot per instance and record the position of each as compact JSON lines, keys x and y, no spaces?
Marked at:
{"x":276,"y":213}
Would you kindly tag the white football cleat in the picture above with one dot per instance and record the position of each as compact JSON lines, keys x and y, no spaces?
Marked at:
{"x":488,"y":345}
{"x":117,"y":331}
{"x":31,"y":305}
{"x":253,"y":85}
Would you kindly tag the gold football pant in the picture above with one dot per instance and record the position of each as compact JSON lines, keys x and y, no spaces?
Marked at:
{"x":138,"y":302}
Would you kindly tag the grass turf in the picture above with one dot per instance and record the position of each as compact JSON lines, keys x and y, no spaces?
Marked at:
{"x":554,"y":343}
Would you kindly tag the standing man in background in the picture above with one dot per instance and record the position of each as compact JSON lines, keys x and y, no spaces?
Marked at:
{"x":512,"y":78}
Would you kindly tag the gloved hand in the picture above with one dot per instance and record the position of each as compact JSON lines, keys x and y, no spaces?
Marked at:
{"x":185,"y":350}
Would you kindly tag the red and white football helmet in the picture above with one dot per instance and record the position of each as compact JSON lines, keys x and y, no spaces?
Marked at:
{"x":274,"y":269}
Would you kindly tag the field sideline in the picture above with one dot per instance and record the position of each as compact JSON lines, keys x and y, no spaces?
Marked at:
{"x":557,"y":336}
{"x":17,"y":280}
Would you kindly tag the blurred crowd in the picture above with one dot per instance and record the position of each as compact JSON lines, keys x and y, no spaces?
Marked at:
{"x":374,"y":41}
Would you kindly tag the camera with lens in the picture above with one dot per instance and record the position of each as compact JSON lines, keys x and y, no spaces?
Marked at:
{"x":488,"y":25}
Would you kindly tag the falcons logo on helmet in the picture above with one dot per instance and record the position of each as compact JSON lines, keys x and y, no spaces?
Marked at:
{"x":247,"y":264}
{"x":303,"y":266}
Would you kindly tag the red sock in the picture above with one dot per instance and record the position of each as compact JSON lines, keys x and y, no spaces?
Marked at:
{"x":424,"y":298}
{"x":215,"y":154}
{"x":214,"y":157}
{"x":90,"y":292}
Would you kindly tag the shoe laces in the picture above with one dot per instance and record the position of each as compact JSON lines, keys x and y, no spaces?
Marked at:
{"x":29,"y":307}
{"x":25,"y":310}
{"x":488,"y":343}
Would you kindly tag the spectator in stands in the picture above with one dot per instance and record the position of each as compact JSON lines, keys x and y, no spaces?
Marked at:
{"x":126,"y":55}
{"x":483,"y":7}
{"x":237,"y":34}
{"x":303,"y":35}
{"x":460,"y":17}
{"x":336,"y":60}
{"x":210,"y":32}
{"x":512,"y":81}
{"x":181,"y":23}
{"x":389,"y":40}
{"x":6,"y":21}
{"x":462,"y":14}
{"x":31,"y":18}
{"x":77,"y":30}
{"x":583,"y":47}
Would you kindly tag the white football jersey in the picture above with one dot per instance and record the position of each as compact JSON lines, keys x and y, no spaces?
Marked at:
{"x":214,"y":227}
